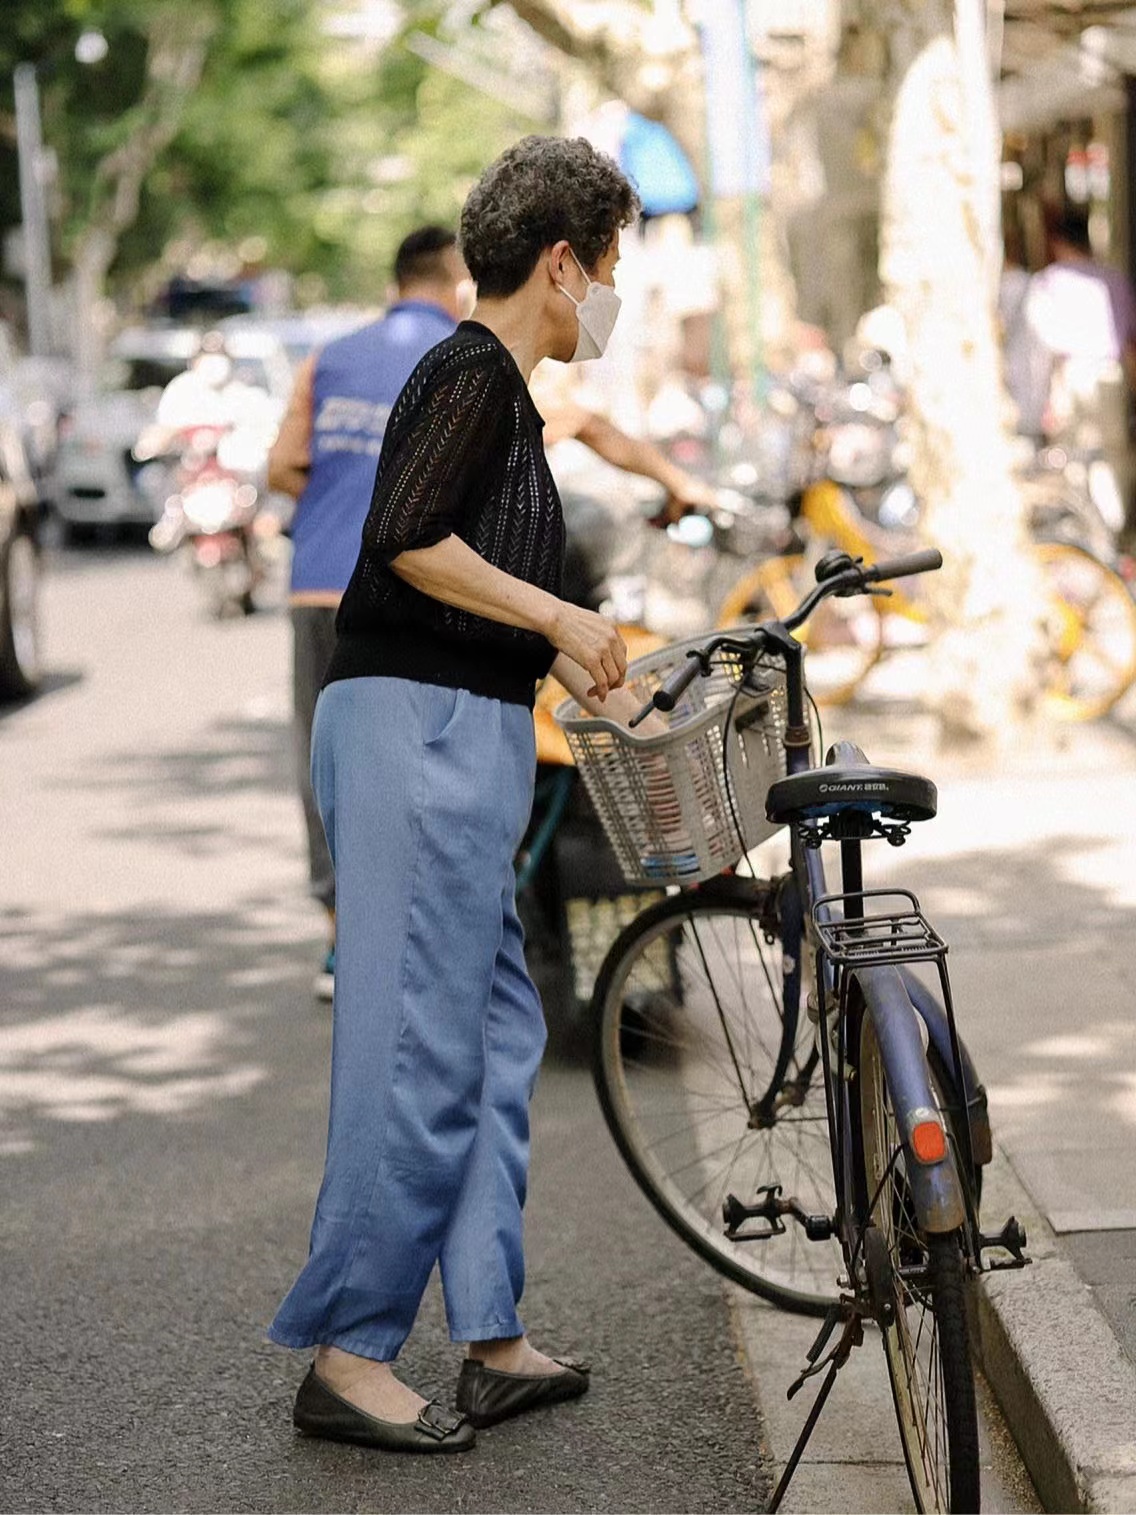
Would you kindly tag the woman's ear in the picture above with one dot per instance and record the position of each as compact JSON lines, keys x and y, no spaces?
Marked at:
{"x":558,"y":255}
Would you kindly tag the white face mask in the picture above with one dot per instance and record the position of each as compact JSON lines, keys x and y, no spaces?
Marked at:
{"x":595,"y":313}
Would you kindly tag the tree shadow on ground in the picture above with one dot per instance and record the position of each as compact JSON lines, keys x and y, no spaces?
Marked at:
{"x":207,"y":800}
{"x":154,"y":1012}
{"x":234,"y":756}
{"x":164,"y":1094}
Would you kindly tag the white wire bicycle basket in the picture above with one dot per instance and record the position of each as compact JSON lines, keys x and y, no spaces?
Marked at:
{"x":680,"y":806}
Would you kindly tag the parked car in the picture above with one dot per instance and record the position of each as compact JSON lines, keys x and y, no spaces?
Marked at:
{"x":99,"y":481}
{"x":34,"y":393}
{"x":19,"y":568}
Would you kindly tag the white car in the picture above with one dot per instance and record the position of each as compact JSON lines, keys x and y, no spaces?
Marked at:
{"x":98,"y":480}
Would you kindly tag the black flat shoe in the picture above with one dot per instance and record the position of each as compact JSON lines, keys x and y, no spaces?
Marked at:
{"x":486,"y":1395}
{"x":320,"y":1411}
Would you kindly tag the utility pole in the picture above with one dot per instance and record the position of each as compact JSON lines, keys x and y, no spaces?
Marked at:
{"x":33,"y":210}
{"x":737,"y":151}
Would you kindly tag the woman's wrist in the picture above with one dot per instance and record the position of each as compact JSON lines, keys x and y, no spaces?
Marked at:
{"x":545,"y":613}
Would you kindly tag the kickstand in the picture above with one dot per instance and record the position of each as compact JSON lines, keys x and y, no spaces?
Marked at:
{"x":851,"y":1336}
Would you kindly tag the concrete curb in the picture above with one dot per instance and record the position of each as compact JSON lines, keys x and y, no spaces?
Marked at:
{"x":1066,"y":1388}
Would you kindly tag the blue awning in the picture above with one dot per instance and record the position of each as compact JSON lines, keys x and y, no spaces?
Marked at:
{"x":658,"y":167}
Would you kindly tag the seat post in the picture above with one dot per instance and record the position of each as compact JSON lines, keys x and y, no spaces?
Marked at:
{"x":852,"y":877}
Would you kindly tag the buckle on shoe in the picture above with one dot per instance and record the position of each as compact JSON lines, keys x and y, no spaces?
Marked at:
{"x":437,"y":1421}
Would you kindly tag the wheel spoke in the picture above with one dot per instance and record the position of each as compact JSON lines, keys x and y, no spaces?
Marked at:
{"x":690,"y":1028}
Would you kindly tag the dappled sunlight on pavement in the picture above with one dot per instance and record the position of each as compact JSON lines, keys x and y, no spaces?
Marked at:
{"x":155,"y":1014}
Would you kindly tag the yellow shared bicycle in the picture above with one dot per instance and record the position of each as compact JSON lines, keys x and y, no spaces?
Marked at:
{"x":1090,"y":624}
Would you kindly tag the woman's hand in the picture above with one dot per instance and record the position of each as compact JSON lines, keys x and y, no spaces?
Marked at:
{"x":593,"y":641}
{"x":621,"y":705}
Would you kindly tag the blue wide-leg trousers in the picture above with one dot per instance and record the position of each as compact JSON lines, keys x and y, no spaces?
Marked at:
{"x":438,"y":1032}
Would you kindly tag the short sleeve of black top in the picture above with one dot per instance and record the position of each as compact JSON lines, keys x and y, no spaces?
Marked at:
{"x":463,"y":455}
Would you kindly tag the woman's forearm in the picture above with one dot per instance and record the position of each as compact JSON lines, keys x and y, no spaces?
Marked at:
{"x":633,"y":455}
{"x":452,"y":572}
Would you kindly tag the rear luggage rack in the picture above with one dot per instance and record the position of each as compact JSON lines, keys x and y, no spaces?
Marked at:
{"x":854,"y":938}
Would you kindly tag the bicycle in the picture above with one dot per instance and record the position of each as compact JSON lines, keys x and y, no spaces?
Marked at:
{"x":720,"y":1094}
{"x":1091,"y":613}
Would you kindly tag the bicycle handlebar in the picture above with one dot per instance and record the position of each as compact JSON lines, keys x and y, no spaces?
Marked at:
{"x":901,"y":568}
{"x":667,"y":696}
{"x":855,"y":579}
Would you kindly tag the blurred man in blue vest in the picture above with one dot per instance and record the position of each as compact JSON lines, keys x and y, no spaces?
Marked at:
{"x":325,"y":457}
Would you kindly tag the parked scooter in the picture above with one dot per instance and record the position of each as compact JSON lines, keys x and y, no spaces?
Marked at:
{"x":212,"y":513}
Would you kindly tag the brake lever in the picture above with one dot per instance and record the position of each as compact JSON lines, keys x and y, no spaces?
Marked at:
{"x":854,"y":590}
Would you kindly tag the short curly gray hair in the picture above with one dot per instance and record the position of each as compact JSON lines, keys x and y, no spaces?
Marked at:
{"x":540,"y":191}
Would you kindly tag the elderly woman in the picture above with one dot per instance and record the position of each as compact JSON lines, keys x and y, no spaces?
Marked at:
{"x":423,"y":764}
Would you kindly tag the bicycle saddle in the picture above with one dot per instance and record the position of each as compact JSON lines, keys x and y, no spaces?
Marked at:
{"x":849,"y":782}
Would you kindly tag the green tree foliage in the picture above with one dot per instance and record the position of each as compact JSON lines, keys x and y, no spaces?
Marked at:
{"x":328,"y":151}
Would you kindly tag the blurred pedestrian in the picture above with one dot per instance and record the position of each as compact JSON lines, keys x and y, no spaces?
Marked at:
{"x":1085,"y":314}
{"x":1027,"y":361}
{"x":423,"y":765}
{"x":324,"y":457}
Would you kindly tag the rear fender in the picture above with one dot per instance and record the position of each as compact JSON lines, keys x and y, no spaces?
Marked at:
{"x":935,"y":1189}
{"x":935,"y":1019}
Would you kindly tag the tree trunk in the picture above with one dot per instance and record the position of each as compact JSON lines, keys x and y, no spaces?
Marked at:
{"x":648,"y":59}
{"x":938,"y":262}
{"x":178,"y":41}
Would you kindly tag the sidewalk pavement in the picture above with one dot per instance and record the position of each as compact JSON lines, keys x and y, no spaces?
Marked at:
{"x":1029,"y":872}
{"x":854,"y":1460}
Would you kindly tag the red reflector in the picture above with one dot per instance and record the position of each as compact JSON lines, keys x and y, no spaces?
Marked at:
{"x":929,"y":1141}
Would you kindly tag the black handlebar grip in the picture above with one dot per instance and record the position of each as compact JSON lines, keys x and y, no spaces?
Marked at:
{"x":901,"y":568}
{"x":667,"y":695}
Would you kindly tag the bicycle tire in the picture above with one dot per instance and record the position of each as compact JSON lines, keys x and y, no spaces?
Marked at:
{"x":1092,"y":632}
{"x":843,"y":642}
{"x":687,"y":1023}
{"x":927,"y":1339}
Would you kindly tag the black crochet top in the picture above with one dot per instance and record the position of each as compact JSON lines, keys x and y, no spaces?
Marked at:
{"x":463,"y":454}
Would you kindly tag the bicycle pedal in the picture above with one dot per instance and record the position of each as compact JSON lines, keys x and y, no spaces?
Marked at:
{"x":769,"y":1208}
{"x":1012,"y":1239}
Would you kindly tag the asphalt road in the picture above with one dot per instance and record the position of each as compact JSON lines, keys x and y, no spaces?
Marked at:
{"x":162,"y":1110}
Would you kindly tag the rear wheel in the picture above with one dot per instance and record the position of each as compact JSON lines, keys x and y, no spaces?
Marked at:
{"x":689,"y":1043}
{"x":923,"y":1281}
{"x":1091,"y":626}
